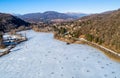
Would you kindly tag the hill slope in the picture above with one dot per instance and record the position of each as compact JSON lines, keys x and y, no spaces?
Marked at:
{"x":103,"y":29}
{"x":8,"y":22}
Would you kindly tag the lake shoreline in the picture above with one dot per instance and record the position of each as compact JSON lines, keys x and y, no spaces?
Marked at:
{"x":107,"y":53}
{"x":71,"y":41}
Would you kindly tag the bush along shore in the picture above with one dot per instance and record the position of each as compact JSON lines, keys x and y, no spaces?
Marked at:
{"x":10,"y":42}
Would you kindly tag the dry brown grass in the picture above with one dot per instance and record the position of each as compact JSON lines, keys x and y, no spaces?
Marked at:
{"x":111,"y":56}
{"x":2,"y":46}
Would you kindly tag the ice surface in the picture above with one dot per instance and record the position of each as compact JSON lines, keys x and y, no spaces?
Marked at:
{"x":44,"y":57}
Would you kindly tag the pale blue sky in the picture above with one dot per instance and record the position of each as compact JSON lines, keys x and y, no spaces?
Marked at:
{"x":84,"y":6}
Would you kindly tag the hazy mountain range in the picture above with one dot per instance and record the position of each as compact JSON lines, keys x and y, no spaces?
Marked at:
{"x":50,"y":16}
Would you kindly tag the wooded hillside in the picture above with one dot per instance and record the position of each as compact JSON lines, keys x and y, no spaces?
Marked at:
{"x":103,"y":29}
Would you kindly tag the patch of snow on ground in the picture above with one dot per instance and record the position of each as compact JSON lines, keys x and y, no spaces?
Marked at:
{"x":2,"y":50}
{"x":44,"y":57}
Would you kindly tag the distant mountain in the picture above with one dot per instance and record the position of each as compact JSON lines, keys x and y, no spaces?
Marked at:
{"x":16,"y":14}
{"x":77,"y":15}
{"x":49,"y":16}
{"x":8,"y":22}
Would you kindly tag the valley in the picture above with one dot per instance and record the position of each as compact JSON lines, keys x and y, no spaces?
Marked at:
{"x":59,"y":39}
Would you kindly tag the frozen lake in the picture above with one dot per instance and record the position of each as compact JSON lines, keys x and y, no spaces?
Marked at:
{"x":44,"y":57}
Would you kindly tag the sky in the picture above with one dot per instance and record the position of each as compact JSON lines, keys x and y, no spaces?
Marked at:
{"x":80,"y":6}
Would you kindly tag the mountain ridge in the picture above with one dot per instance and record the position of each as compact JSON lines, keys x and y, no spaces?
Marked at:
{"x":48,"y":16}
